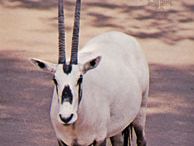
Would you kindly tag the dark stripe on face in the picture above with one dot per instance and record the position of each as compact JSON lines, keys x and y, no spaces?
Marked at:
{"x":67,"y":68}
{"x":80,"y":87}
{"x":56,"y":84}
{"x":67,"y":95}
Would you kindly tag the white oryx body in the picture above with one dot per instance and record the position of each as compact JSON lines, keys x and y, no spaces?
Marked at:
{"x":114,"y":93}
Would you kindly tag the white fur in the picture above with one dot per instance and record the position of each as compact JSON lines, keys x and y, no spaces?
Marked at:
{"x":112,"y":92}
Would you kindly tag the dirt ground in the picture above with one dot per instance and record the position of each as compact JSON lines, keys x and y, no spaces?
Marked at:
{"x":28,"y":28}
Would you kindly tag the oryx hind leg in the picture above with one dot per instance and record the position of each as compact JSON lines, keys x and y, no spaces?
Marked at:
{"x":139,"y":122}
{"x":117,"y":140}
{"x":122,"y":139}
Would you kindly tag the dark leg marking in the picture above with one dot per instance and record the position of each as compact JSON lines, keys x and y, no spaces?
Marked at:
{"x":140,"y":137}
{"x":126,"y":136}
{"x":117,"y":140}
{"x":61,"y":143}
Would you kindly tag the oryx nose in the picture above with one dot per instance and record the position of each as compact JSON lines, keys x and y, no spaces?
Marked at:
{"x":66,"y":119}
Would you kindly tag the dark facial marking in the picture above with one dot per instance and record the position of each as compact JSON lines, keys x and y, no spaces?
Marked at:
{"x":55,"y":81}
{"x":67,"y":95}
{"x":79,"y":82}
{"x":56,"y":84}
{"x":67,"y":68}
{"x":80,"y":79}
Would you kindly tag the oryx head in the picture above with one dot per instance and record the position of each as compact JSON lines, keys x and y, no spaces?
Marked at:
{"x":68,"y":76}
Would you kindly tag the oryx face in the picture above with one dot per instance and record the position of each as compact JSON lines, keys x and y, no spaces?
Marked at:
{"x":68,"y":86}
{"x":68,"y":82}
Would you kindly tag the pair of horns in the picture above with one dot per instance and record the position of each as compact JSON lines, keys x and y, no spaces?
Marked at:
{"x":75,"y":37}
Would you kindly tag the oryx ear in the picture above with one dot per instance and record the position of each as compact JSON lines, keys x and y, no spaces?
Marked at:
{"x":91,"y":64}
{"x":50,"y":67}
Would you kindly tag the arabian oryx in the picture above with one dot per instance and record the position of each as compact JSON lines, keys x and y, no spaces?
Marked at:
{"x":100,"y":91}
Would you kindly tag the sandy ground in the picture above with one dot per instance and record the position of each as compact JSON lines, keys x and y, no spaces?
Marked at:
{"x":28,"y":28}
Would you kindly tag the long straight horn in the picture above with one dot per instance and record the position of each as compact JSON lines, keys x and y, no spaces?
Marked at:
{"x":75,"y":37}
{"x":61,"y":30}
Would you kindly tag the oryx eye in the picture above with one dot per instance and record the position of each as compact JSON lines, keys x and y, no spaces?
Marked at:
{"x":80,"y":80}
{"x":55,"y":81}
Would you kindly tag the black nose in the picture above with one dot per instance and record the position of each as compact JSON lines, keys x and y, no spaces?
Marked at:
{"x":66,"y":120}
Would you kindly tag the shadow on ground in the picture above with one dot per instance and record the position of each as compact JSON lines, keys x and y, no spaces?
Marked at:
{"x":170,"y":116}
{"x":25,"y":96}
{"x":168,"y":23}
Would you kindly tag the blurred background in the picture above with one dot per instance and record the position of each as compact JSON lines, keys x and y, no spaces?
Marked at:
{"x":164,"y":28}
